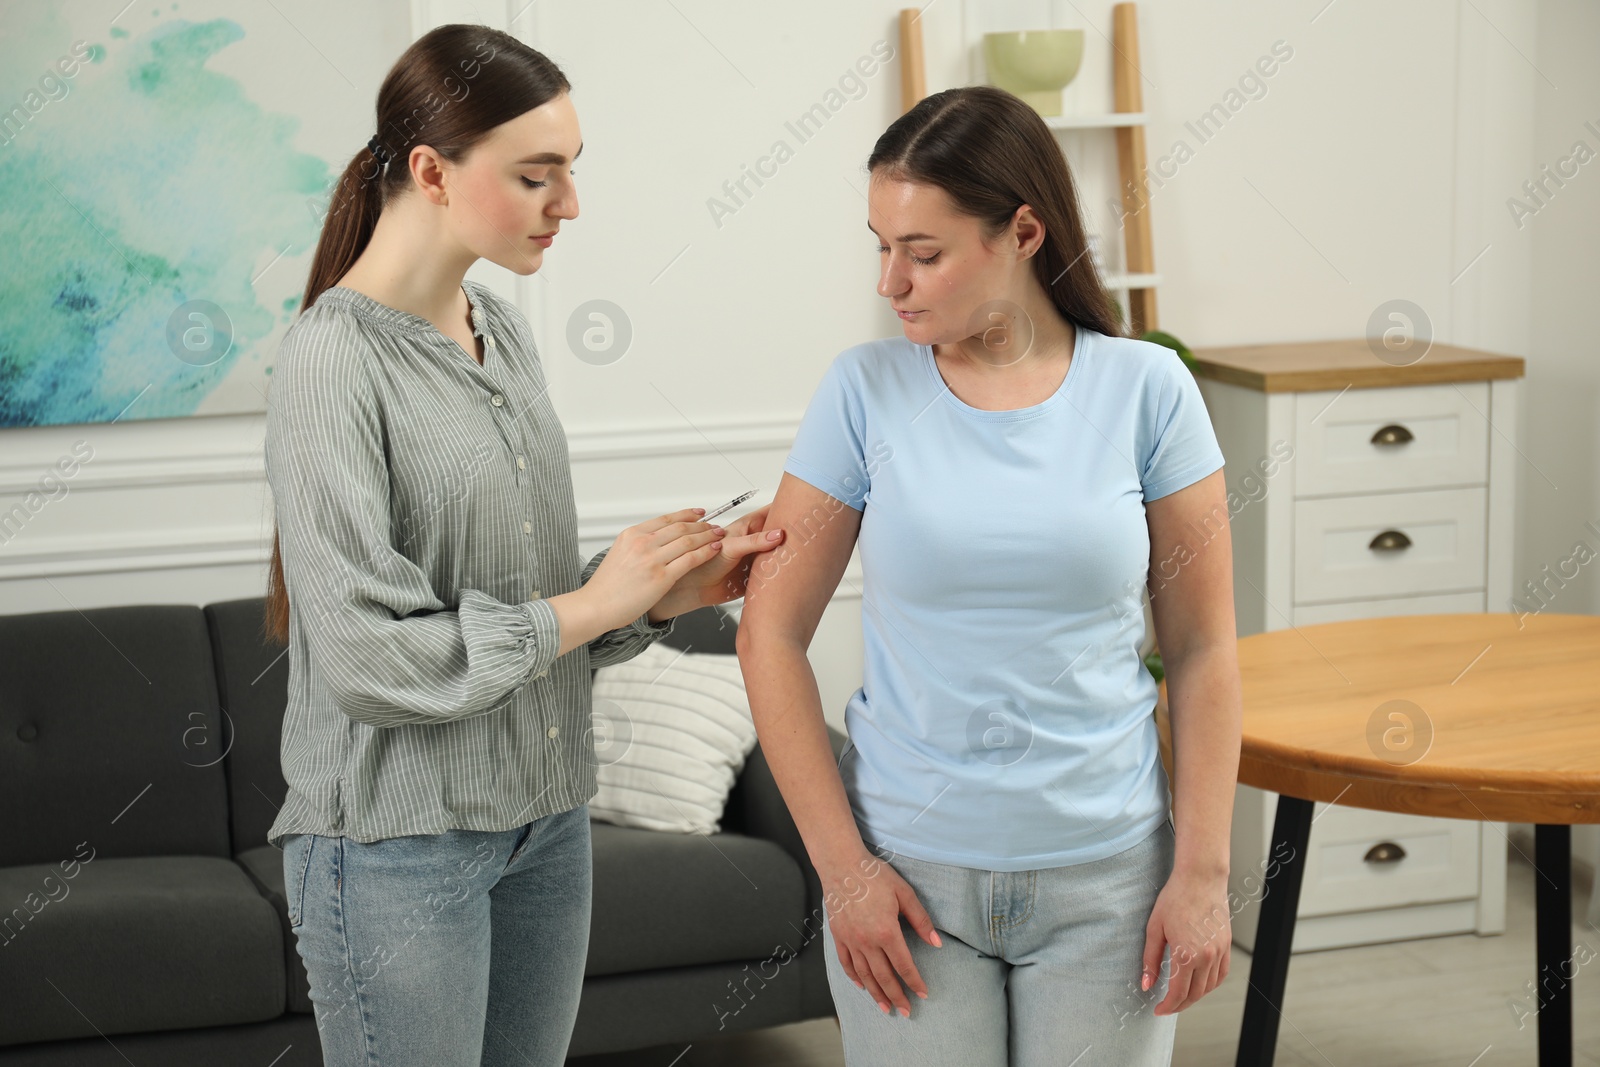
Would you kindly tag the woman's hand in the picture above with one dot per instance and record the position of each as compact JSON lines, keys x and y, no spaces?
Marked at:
{"x":866,"y":931}
{"x":1191,"y":914}
{"x":723,"y":576}
{"x":647,"y":560}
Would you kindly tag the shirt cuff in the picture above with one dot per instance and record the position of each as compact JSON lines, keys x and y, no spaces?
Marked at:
{"x":645,"y":628}
{"x":542,"y":637}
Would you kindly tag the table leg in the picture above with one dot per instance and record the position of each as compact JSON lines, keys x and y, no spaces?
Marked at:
{"x":1552,"y":879}
{"x":1269,"y":963}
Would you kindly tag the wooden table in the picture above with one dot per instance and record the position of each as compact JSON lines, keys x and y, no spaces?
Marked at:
{"x":1491,"y":717}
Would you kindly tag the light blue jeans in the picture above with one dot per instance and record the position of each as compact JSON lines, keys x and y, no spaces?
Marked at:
{"x":446,"y":950}
{"x":1037,"y":968}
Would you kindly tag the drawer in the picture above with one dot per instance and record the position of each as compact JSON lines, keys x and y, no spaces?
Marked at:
{"x":1432,"y":604}
{"x":1436,"y":539}
{"x":1382,"y":440}
{"x":1429,"y":860}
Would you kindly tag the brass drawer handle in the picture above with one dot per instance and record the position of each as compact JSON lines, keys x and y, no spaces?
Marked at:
{"x":1392,"y":434}
{"x":1385,"y":852}
{"x":1389,"y":541}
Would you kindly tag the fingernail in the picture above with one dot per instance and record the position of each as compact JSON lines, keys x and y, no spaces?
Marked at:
{"x":773,"y":535}
{"x":923,"y":995}
{"x":1144,"y":980}
{"x":885,"y":1009}
{"x":698,"y":511}
{"x":937,"y":943}
{"x":905,"y":1013}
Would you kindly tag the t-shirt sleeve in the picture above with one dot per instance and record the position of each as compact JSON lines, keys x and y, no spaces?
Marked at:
{"x":828,"y":451}
{"x":1183,"y":444}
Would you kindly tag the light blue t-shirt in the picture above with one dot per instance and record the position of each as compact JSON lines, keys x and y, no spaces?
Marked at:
{"x":1005,"y":719}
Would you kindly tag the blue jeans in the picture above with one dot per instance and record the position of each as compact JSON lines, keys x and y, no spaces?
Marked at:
{"x":1037,"y":968}
{"x":447,"y":950}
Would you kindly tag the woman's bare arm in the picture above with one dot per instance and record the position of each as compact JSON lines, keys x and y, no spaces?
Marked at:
{"x":784,"y":600}
{"x":1191,"y":600}
{"x":788,"y":590}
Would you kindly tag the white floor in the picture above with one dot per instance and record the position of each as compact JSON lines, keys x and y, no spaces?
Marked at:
{"x":1432,"y":1002}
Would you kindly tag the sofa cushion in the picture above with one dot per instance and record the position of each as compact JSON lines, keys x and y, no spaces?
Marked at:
{"x":110,"y":731}
{"x":708,"y":629}
{"x":676,"y":900}
{"x":264,"y":865}
{"x":135,"y":944}
{"x":253,"y":684}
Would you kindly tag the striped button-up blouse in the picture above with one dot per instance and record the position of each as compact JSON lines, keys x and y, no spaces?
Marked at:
{"x":425,"y":511}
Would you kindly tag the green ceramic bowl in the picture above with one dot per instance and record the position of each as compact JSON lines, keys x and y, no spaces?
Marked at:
{"x":1034,"y":64}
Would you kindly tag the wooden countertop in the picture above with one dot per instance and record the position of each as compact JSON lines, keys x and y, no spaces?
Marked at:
{"x":1308,"y":366}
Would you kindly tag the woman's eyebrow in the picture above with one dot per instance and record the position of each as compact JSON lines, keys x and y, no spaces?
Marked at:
{"x":555,"y":158}
{"x":908,"y":238}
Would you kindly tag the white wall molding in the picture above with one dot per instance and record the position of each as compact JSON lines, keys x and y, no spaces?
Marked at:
{"x":171,"y":452}
{"x":141,"y":552}
{"x":170,"y":470}
{"x":155,"y":452}
{"x":241,"y":546}
{"x":704,"y":438}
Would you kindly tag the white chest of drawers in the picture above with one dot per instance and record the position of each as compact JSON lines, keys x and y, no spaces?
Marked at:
{"x":1365,"y":490}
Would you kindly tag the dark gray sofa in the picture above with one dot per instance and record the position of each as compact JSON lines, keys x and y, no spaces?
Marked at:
{"x":142,"y":913}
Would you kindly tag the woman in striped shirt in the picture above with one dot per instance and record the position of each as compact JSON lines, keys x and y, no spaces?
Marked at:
{"x":426,"y":580}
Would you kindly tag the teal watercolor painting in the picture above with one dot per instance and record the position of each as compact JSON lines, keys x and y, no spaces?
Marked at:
{"x":157,"y":218}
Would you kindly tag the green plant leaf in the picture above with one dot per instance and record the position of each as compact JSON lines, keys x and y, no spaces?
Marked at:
{"x":1161,"y":337}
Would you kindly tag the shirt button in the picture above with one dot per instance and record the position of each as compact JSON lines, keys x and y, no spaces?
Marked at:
{"x":497,"y":400}
{"x":520,"y":464}
{"x":553,"y":731}
{"x":536,"y":595}
{"x":527,"y":527}
{"x":490,"y":338}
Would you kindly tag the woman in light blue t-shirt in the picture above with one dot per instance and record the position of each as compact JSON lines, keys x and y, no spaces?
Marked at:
{"x":1016,"y":472}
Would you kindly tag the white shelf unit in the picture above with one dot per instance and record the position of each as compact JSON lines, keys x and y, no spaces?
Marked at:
{"x":1111,"y":120}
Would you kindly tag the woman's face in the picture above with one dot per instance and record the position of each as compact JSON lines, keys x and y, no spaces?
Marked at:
{"x":516,"y":186}
{"x":933,"y":265}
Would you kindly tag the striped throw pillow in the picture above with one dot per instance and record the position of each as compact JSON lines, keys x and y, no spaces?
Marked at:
{"x":672,"y":731}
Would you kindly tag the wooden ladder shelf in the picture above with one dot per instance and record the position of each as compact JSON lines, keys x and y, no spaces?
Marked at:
{"x":1127,"y":98}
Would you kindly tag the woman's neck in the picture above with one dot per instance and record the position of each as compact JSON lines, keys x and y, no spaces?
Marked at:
{"x":412,"y":266}
{"x":1020,"y":340}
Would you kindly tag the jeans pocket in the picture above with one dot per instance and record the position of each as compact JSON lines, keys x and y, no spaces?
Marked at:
{"x":296,"y":867}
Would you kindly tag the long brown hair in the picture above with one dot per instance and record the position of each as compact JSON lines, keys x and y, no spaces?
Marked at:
{"x":453,"y":86}
{"x":992,"y":153}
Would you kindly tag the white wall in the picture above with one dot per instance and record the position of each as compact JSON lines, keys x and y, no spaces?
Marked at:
{"x":1376,"y":165}
{"x":1562,"y":497}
